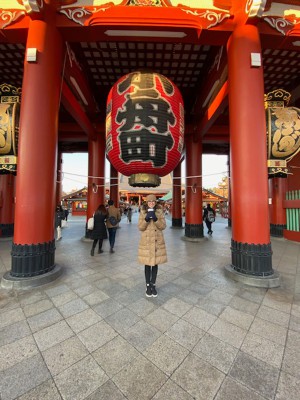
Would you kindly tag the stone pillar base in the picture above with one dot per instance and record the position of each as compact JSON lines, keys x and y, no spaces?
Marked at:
{"x":270,"y":281}
{"x":11,"y":282}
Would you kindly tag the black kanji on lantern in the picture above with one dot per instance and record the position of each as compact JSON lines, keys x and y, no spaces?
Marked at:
{"x":146,"y":146}
{"x":147,"y":112}
{"x":144,"y":119}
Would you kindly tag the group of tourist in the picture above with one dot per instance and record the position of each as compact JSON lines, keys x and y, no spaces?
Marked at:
{"x":151,"y":223}
{"x":105,"y":219}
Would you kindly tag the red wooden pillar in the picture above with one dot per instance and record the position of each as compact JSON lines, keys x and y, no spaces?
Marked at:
{"x":277,"y":190}
{"x":59,"y":177}
{"x":7,"y":207}
{"x":96,"y":171}
{"x":193,"y":191}
{"x":251,"y":247}
{"x":34,"y":246}
{"x":176,"y":198}
{"x":114,"y":185}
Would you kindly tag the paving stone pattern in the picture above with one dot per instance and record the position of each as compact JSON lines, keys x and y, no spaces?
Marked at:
{"x":92,"y":334}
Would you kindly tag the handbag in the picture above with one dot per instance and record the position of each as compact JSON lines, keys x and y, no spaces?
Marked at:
{"x":90,"y":224}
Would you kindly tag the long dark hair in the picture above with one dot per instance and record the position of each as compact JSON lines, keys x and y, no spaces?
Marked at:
{"x":101,"y":210}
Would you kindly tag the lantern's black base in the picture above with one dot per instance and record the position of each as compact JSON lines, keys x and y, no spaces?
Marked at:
{"x":144,"y":180}
{"x":176,"y":222}
{"x":277,"y":230}
{"x":32,"y":259}
{"x":252,"y":259}
{"x":6,"y":230}
{"x":193,"y":233}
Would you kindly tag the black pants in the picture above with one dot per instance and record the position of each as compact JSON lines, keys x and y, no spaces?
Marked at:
{"x":208,"y":224}
{"x":151,"y":274}
{"x":95,"y":243}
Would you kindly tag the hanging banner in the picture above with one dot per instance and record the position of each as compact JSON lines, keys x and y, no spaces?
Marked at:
{"x":9,"y":127}
{"x":283,"y":130}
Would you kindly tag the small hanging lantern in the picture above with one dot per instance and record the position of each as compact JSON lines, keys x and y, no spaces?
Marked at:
{"x":144,"y":127}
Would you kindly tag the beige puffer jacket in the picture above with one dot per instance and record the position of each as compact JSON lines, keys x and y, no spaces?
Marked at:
{"x":152,"y":249}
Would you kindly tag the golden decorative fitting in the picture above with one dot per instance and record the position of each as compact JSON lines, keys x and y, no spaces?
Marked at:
{"x":277,"y":98}
{"x":144,"y":180}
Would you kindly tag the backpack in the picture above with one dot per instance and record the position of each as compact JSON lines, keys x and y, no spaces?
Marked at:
{"x":113,"y":220}
{"x":210,"y":216}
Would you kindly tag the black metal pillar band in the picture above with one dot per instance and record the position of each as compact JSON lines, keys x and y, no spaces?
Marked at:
{"x":229,"y":222}
{"x":252,"y":259}
{"x":194,"y":231}
{"x":32,"y":259}
{"x":177,"y":222}
{"x":277,"y":230}
{"x":7,"y":230}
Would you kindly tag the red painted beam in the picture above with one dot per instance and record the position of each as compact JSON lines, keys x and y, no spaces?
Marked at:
{"x":216,"y":139}
{"x":77,"y":82}
{"x":291,"y":204}
{"x":221,"y":130}
{"x":75,"y":137}
{"x":215,"y":76}
{"x":69,"y":127}
{"x":216,"y":108}
{"x":291,"y":235}
{"x":74,"y":108}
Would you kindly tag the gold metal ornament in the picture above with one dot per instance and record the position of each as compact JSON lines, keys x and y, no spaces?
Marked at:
{"x":144,"y":180}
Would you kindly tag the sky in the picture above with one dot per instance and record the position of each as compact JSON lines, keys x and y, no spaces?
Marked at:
{"x":75,"y":171}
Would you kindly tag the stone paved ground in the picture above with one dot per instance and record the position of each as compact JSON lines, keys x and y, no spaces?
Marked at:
{"x":92,"y":334}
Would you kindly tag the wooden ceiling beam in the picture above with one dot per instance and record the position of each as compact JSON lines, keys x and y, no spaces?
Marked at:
{"x":215,"y":76}
{"x":215,"y":109}
{"x":75,"y":110}
{"x":76,"y":80}
{"x":216,"y":139}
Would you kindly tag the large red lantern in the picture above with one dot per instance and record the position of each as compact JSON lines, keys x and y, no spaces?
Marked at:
{"x":144,"y":127}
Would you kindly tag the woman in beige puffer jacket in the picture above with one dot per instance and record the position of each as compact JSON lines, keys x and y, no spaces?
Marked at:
{"x":152,"y":249}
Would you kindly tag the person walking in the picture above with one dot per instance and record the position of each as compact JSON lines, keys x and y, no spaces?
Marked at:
{"x":209,"y":216}
{"x":112,"y":223}
{"x":152,"y":249}
{"x":59,"y":216}
{"x":129,"y":215}
{"x":66,"y":211}
{"x":99,"y":231}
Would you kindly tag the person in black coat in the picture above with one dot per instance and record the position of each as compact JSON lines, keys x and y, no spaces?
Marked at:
{"x":99,"y":232}
{"x":66,"y":211}
{"x":59,"y":216}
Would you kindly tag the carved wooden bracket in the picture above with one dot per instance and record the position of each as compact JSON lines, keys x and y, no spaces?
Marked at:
{"x":7,"y":17}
